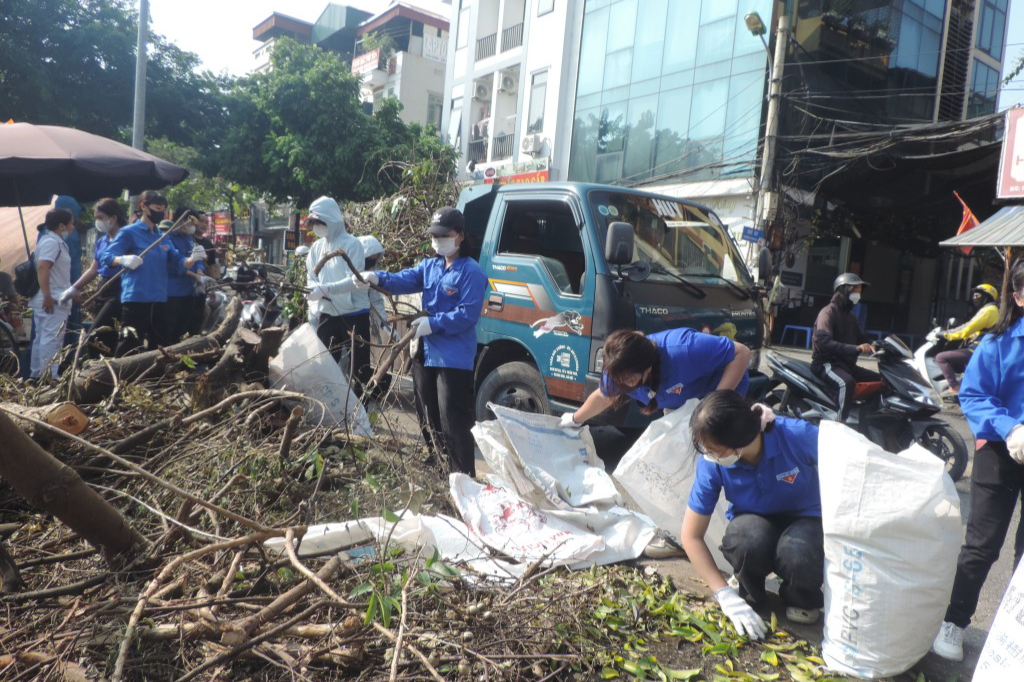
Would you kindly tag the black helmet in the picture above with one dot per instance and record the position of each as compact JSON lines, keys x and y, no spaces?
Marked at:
{"x":848,"y":279}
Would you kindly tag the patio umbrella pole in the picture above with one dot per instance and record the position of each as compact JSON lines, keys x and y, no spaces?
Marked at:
{"x":24,"y":232}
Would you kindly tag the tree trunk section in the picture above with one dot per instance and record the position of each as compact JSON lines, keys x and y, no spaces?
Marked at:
{"x":56,"y":488}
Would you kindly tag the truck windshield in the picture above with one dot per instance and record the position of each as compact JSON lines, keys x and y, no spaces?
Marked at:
{"x":683,"y":239}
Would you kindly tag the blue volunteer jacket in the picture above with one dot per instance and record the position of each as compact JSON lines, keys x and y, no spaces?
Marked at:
{"x":102,"y":244}
{"x":454,"y":298}
{"x":182,"y":284}
{"x":692,"y":364}
{"x":148,"y":282}
{"x":785,"y":481}
{"x":992,"y":392}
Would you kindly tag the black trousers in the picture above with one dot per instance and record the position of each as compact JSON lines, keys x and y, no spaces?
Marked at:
{"x":334,"y":332}
{"x":997,"y":482}
{"x":792,"y":547}
{"x":185,"y":316}
{"x":953,"y":362}
{"x":142,"y":323}
{"x":446,"y":410}
{"x":843,"y":377}
{"x":108,"y":314}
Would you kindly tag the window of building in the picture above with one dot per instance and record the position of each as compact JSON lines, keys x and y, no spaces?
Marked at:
{"x":984,"y":91}
{"x":547,"y":231}
{"x":455,"y":124}
{"x":545,"y":6}
{"x":463,"y":38}
{"x":538,"y":95}
{"x":992,"y":27}
{"x":417,"y":29}
{"x":434,"y":104}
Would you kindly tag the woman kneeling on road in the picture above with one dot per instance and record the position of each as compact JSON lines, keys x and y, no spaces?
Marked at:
{"x":770,"y":477}
{"x":663,"y":371}
{"x":453,"y":286}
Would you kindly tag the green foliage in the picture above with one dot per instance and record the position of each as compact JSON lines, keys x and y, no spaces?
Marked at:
{"x":299,"y":131}
{"x":375,"y":39}
{"x":72,"y":63}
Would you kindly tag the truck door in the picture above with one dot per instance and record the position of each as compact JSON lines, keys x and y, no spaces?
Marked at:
{"x":540,"y":297}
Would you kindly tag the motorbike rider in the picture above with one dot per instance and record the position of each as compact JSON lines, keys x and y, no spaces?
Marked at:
{"x":663,"y":370}
{"x":340,"y":307}
{"x":992,"y":400}
{"x":838,"y":340}
{"x":985,"y":300}
{"x":768,"y":470}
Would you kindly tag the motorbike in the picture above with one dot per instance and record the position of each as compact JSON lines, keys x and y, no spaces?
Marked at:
{"x":924,"y":356}
{"x":893,"y":413}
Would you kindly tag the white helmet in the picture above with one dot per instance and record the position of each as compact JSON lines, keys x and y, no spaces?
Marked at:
{"x":371,"y":246}
{"x":302,"y":250}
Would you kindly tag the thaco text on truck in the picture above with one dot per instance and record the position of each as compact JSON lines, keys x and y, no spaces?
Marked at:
{"x":567,"y":264}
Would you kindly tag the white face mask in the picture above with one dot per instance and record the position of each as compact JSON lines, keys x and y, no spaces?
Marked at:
{"x":855,"y":298}
{"x":320,"y":230}
{"x":444,"y":246}
{"x":189,"y":229}
{"x":727,"y":462}
{"x":102,"y":226}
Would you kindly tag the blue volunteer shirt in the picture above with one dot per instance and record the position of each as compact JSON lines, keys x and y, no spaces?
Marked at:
{"x":148,"y":282}
{"x":784,"y":481}
{"x":102,"y":242}
{"x":992,"y":392}
{"x":182,"y":284}
{"x":454,"y":298}
{"x":692,"y":364}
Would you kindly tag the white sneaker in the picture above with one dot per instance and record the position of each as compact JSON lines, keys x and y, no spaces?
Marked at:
{"x":803,"y":616}
{"x":949,"y":643}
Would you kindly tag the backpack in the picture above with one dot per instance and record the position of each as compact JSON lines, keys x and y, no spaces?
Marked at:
{"x":26,"y":281}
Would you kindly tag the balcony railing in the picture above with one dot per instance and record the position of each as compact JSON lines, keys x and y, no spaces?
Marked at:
{"x":512,"y":37}
{"x":487,"y":46}
{"x":477,"y":150}
{"x":504,"y":145}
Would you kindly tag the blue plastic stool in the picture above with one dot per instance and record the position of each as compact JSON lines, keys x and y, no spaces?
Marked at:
{"x":807,"y":331}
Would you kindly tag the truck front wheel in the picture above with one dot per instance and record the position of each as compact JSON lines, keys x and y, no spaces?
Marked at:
{"x":515,"y":384}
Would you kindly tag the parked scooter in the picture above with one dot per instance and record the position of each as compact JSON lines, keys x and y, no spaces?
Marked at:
{"x":893,"y":413}
{"x":924,"y":357}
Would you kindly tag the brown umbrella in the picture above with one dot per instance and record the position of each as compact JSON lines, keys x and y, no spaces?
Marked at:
{"x":37,"y":162}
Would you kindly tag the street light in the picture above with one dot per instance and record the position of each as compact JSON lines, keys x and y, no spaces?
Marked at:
{"x":778,"y":60}
{"x":754,"y":24}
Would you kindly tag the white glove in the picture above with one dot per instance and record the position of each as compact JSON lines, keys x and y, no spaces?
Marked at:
{"x":744,"y":618}
{"x":207,"y":282}
{"x":421,"y":325}
{"x":568,"y":421}
{"x":130,"y":262}
{"x":344,"y":286}
{"x":369,"y":277}
{"x":66,"y":296}
{"x":198,"y":253}
{"x":767,"y":415}
{"x":1015,"y":444}
{"x":316,"y":292}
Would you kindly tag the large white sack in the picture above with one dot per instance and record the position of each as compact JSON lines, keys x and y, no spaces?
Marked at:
{"x":505,"y":465}
{"x":892,"y":535}
{"x":1002,"y":658}
{"x":562,"y":463}
{"x":305,"y":366}
{"x":658,"y":472}
{"x":508,"y":523}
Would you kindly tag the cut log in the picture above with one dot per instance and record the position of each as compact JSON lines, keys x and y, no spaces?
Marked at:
{"x":97,"y":378}
{"x":65,"y":416}
{"x":47,"y":483}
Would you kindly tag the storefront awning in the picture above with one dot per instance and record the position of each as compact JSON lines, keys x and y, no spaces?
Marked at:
{"x":1005,"y":228}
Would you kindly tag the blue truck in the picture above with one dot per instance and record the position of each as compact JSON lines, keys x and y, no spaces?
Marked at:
{"x":567,"y":264}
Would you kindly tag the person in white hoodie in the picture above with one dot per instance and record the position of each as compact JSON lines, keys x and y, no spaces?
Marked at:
{"x":339,"y":307}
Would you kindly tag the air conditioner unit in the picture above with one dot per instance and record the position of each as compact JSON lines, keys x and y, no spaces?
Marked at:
{"x":508,"y":84}
{"x":482,"y":92}
{"x":531,"y":144}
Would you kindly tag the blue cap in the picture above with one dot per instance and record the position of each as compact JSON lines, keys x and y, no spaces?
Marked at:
{"x":69,"y":202}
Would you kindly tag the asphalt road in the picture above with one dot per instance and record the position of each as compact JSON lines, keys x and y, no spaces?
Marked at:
{"x":611,"y":445}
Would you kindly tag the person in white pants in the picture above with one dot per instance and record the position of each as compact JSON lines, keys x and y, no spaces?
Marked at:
{"x":53,"y":269}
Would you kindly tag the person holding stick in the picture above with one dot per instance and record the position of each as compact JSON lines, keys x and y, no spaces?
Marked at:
{"x":144,"y":279}
{"x":452,"y":285}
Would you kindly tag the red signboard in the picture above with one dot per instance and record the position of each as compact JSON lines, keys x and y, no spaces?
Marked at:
{"x":366,"y":62}
{"x":1010,"y":184}
{"x":519,"y":178}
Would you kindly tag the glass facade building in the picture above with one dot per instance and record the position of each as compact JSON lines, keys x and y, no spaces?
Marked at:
{"x":667,"y":91}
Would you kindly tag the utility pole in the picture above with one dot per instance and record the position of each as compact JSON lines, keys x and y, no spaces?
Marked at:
{"x":139,"y":119}
{"x":772,"y":121}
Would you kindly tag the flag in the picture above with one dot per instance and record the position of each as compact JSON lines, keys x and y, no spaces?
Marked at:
{"x":966,"y":223}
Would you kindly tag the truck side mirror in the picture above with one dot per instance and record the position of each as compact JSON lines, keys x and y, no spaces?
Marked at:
{"x":618,"y":245}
